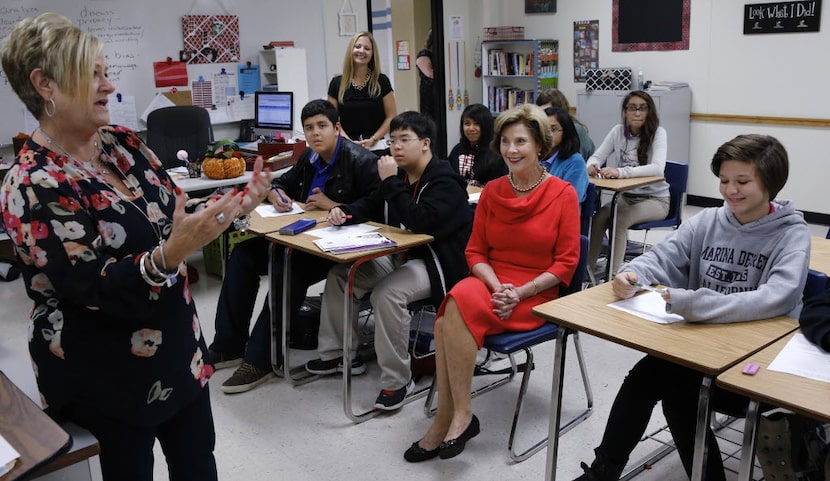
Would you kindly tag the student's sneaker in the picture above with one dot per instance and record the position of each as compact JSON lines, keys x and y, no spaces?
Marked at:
{"x":393,"y":400}
{"x":246,"y":378}
{"x":333,"y":366}
{"x":222,"y":360}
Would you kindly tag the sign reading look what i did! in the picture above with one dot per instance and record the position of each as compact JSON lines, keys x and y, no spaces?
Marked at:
{"x":782,"y":17}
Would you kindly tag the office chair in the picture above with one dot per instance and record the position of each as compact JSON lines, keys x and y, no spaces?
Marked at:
{"x":677,"y":175}
{"x":181,"y":127}
{"x":509,"y":343}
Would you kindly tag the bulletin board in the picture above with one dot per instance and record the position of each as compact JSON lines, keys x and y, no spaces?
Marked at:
{"x":650,"y":25}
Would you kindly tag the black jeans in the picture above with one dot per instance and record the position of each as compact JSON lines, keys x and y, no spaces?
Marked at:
{"x":651,"y":380}
{"x":249,"y":261}
{"x":187,"y":440}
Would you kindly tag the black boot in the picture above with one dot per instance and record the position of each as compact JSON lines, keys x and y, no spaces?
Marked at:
{"x":601,"y":470}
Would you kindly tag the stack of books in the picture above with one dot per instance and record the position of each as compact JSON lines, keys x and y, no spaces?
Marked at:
{"x":668,"y":85}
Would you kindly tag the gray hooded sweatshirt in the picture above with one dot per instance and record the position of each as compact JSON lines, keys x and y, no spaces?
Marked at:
{"x":719,"y":270}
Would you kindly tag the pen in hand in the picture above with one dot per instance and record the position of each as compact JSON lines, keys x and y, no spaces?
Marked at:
{"x":647,"y":287}
{"x":325,"y":219}
{"x":279,"y":194}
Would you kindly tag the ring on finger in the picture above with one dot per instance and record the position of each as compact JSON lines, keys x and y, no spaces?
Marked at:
{"x":220,"y":218}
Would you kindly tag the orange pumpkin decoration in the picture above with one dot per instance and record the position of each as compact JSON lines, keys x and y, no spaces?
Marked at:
{"x":224,"y":162}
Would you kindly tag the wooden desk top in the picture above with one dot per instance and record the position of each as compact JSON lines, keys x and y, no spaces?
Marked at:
{"x":820,"y":254}
{"x":708,"y":348}
{"x":796,"y":393}
{"x":305,"y":243}
{"x":622,"y":185}
{"x":29,"y":430}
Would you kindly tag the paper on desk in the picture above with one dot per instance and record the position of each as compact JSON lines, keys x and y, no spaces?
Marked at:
{"x":341,"y":231}
{"x":270,"y":211}
{"x":802,"y":358}
{"x":8,"y":456}
{"x":650,"y":306}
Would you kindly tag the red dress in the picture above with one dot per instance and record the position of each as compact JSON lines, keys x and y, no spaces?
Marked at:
{"x":520,"y":238}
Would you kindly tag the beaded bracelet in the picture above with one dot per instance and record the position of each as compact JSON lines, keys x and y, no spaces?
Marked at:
{"x":143,"y":269}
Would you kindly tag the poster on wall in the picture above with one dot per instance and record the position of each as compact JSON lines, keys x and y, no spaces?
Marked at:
{"x":210,"y":39}
{"x":650,"y":25}
{"x":586,"y":48}
{"x":782,"y":17}
{"x":540,"y":6}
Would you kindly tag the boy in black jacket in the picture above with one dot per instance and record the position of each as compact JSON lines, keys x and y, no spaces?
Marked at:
{"x":419,"y":193}
{"x":815,"y":320}
{"x":331,"y":172}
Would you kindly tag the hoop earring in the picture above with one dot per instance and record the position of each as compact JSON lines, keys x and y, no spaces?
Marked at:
{"x":54,"y":107}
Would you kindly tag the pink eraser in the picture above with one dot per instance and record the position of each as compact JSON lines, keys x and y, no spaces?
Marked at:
{"x":750,"y":369}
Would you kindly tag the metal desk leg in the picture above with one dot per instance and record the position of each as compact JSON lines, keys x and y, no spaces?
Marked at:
{"x":297,"y":374}
{"x":349,"y":318}
{"x":750,"y":435}
{"x":556,"y":404}
{"x":611,"y":237}
{"x":704,"y":415}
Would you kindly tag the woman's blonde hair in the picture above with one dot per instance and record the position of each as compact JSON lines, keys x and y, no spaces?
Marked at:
{"x":348,"y":68}
{"x":534,"y":118}
{"x":52,"y":43}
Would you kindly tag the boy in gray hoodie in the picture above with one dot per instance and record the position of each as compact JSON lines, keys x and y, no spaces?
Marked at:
{"x":744,"y":261}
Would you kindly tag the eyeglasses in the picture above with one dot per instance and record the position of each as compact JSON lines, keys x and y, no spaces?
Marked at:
{"x":402,"y":141}
{"x":634,"y":108}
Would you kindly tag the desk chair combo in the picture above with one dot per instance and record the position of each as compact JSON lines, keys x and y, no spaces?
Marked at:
{"x":510,"y":343}
{"x":171,"y":129}
{"x":816,"y":284}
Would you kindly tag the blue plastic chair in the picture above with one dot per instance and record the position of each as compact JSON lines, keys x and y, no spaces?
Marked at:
{"x":587,"y":209}
{"x":677,"y":175}
{"x":509,"y":343}
{"x":816,"y":284}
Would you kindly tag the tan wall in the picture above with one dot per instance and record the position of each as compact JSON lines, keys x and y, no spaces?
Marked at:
{"x":403,"y":28}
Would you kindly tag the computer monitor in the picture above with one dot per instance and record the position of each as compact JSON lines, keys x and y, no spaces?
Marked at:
{"x":274,"y":110}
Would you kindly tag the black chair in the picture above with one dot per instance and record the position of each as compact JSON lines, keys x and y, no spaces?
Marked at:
{"x":509,"y":343}
{"x":181,"y":127}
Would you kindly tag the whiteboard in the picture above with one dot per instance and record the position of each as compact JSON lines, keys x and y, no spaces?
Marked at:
{"x":138,"y":33}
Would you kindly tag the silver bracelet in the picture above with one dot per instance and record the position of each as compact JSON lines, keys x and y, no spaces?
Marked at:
{"x":143,"y":269}
{"x":170,"y":278}
{"x":535,"y":287}
{"x":164,"y":260}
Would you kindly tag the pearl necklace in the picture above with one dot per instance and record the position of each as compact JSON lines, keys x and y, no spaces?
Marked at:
{"x":91,"y":162}
{"x":526,"y":189}
{"x":363,"y":85}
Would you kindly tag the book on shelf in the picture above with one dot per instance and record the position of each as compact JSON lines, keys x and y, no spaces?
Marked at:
{"x":354,"y":243}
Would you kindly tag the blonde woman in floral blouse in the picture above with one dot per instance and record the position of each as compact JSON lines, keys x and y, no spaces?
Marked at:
{"x":103,"y":234}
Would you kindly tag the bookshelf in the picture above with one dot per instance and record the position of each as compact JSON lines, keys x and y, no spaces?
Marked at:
{"x":516,"y":70}
{"x":284,"y":69}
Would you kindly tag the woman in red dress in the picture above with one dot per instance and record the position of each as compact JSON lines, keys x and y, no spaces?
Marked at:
{"x":525,"y":242}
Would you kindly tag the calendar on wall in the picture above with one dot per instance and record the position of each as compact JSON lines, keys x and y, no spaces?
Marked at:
{"x":210,"y":39}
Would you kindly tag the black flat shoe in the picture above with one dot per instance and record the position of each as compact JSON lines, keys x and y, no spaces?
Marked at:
{"x":416,"y":454}
{"x":454,"y":447}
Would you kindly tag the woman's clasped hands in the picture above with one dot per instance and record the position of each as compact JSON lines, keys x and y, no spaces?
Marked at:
{"x":505,"y":298}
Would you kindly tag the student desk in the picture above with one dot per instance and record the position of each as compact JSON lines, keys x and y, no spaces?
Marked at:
{"x":799,"y":394}
{"x":708,"y":348}
{"x":820,"y":254}
{"x":270,"y":227}
{"x":618,"y":186}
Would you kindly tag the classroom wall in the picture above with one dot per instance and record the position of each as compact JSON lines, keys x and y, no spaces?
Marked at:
{"x":139,"y":33}
{"x":728,"y":72}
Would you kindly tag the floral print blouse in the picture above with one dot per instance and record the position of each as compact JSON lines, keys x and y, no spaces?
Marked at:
{"x":99,"y":334}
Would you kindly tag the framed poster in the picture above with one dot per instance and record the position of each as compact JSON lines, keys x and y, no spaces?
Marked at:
{"x":650,"y":25}
{"x":540,"y":6}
